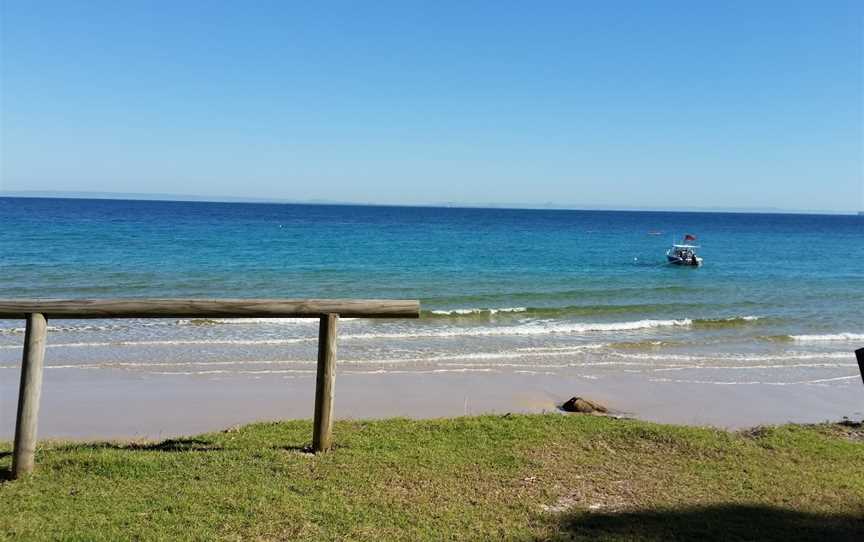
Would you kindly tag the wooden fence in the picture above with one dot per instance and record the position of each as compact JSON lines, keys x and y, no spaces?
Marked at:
{"x":38,"y":312}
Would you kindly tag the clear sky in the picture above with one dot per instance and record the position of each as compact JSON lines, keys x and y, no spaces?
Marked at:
{"x":617,"y":103}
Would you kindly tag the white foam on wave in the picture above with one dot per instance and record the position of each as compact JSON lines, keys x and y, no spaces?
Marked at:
{"x":440,"y":361}
{"x":144,"y":364}
{"x":564,"y":349}
{"x":533,"y":328}
{"x":282,"y":321}
{"x":90,"y":327}
{"x":136,"y":323}
{"x":488,"y":356}
{"x":735,"y":357}
{"x":464,"y":312}
{"x":829,"y":337}
{"x":519,"y":353}
{"x":728,"y":319}
{"x":55,"y":329}
{"x":430,"y":371}
{"x":751,"y":367}
{"x":226,"y":371}
{"x":226,"y":342}
{"x":550,"y":351}
{"x":554,"y":365}
{"x":817,"y":381}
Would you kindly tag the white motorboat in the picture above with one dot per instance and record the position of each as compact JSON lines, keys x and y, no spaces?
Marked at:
{"x":684,"y":253}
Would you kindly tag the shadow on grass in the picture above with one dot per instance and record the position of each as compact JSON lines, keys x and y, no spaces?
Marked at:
{"x":722,"y":522}
{"x":307,"y":449}
{"x":170,"y":445}
{"x":5,"y":472}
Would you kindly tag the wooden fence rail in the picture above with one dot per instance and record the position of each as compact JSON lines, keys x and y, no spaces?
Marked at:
{"x":38,"y":312}
{"x":54,"y":309}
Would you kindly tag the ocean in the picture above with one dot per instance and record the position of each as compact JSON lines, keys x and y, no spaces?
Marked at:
{"x":577,"y":294}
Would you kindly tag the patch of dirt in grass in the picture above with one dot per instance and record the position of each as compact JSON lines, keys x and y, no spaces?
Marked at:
{"x":592,"y":501}
{"x":850,"y":430}
{"x":846,"y":429}
{"x":757,"y":432}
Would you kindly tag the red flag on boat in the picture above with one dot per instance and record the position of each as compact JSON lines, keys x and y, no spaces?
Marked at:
{"x":689,"y":237}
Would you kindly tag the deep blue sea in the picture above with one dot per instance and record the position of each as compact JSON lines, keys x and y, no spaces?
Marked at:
{"x":779,"y":300}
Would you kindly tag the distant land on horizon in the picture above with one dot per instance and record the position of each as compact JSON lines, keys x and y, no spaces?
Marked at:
{"x":135,"y":196}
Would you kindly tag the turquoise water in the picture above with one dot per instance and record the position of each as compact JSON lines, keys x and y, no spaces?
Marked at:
{"x":779,"y":301}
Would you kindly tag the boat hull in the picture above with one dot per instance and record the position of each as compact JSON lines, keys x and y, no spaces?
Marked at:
{"x":675,"y":260}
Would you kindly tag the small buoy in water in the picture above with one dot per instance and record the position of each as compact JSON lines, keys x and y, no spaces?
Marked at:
{"x":635,"y":259}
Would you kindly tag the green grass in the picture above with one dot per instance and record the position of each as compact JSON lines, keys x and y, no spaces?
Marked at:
{"x":538,"y":477}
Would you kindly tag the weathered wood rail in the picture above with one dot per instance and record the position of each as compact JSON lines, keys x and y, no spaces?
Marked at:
{"x":38,"y":312}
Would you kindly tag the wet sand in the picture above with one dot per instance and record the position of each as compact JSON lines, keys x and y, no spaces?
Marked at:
{"x":114,"y":404}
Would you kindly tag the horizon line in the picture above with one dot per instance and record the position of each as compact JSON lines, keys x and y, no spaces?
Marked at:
{"x":144,"y":196}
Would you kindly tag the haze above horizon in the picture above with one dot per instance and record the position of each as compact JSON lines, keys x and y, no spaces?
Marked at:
{"x":662,"y":105}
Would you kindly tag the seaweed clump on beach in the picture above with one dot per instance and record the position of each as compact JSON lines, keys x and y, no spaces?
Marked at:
{"x":583,"y":406}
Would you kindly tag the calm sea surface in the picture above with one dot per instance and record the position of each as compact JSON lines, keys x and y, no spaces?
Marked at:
{"x":779,"y":301}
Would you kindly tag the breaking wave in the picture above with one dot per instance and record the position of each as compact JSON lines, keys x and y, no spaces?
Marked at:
{"x":584,"y":310}
{"x":828,"y":337}
{"x":470,"y":312}
{"x":532,"y":328}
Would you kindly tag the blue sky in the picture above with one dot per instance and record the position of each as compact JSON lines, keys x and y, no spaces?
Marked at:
{"x":608,"y":103}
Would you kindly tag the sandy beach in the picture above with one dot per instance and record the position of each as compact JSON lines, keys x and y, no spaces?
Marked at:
{"x":107,"y":404}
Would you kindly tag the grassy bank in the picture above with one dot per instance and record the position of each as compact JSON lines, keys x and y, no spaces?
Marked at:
{"x":493,"y":477}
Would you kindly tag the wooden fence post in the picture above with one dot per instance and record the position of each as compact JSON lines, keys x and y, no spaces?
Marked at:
{"x":28,"y":395}
{"x":323,"y":423}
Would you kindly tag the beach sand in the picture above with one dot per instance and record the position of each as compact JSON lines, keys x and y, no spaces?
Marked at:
{"x":114,"y":404}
